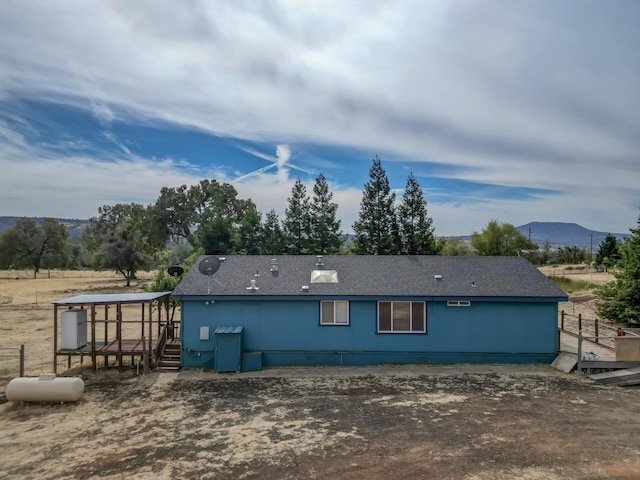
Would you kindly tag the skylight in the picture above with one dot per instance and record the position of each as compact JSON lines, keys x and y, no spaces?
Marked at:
{"x":324,"y":276}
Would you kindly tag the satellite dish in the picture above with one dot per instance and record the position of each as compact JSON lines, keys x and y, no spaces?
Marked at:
{"x":175,"y":270}
{"x":209,"y":265}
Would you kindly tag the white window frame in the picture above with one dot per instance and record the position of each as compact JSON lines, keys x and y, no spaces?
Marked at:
{"x":410,"y":302}
{"x":335,"y":303}
{"x":458,"y":303}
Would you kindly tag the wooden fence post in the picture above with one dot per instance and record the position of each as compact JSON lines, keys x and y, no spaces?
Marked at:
{"x":579,"y":350}
{"x":22,"y":360}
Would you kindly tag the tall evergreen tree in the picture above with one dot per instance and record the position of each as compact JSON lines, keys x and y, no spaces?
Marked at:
{"x":376,"y":229}
{"x":247,"y":240}
{"x":271,"y":235}
{"x":416,"y":227}
{"x":297,"y":221}
{"x":608,"y":253}
{"x":620,"y":300}
{"x":326,"y":236}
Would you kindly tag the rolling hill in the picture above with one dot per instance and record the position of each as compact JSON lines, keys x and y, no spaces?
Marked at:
{"x":565,"y":234}
{"x":74,"y":226}
{"x":556,"y":233}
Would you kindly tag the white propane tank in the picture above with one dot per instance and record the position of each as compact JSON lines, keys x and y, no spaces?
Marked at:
{"x":45,"y":388}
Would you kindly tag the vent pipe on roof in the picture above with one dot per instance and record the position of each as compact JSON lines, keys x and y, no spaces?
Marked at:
{"x":253,"y":286}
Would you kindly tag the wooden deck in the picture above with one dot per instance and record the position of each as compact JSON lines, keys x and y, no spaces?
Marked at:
{"x":599,"y":357}
{"x":124,"y":347}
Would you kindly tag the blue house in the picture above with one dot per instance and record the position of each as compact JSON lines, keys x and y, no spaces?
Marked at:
{"x":365,"y":310}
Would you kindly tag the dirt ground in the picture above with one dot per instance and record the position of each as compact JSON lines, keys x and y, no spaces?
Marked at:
{"x":447,"y":422}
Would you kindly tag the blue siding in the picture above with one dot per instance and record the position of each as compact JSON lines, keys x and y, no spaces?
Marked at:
{"x":289,"y":333}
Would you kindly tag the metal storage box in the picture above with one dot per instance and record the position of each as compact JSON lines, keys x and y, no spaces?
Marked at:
{"x":228,"y":344}
{"x":251,"y":361}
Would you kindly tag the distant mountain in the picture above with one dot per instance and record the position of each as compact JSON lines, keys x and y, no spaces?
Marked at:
{"x":565,"y":234}
{"x":558,"y":234}
{"x":74,"y":227}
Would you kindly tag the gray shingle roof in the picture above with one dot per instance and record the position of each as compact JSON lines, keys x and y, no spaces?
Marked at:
{"x":373,"y":276}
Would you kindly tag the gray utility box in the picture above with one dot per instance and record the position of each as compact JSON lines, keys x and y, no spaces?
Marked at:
{"x":228,"y":345}
{"x":73,"y":329}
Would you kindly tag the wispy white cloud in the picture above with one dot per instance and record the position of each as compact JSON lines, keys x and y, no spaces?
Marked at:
{"x":536,"y":95}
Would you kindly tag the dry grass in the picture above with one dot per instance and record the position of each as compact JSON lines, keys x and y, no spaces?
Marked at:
{"x":26,"y":313}
{"x":529,"y":423}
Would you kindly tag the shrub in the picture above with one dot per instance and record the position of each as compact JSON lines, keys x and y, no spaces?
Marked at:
{"x":569,"y":285}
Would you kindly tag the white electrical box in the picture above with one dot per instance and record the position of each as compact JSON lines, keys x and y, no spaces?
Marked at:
{"x":74,"y":329}
{"x":204,"y":333}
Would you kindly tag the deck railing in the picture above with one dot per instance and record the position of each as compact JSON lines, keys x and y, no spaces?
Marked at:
{"x":158,"y":351}
{"x":593,"y":330}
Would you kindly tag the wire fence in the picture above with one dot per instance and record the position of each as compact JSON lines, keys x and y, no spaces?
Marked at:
{"x":55,"y":273}
{"x":12,"y":365}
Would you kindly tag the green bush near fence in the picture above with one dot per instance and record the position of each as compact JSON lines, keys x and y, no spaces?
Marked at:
{"x":569,"y":285}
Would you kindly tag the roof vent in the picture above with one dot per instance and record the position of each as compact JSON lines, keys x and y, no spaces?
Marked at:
{"x":438,"y":277}
{"x":253,"y":286}
{"x":274,"y":265}
{"x":319,"y":262}
{"x":305,"y":289}
{"x":473,"y":284}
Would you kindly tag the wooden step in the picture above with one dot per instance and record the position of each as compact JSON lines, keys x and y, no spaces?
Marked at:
{"x":167,"y":369}
{"x":629,"y":376}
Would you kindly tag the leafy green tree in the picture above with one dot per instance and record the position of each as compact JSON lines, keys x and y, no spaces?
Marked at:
{"x":164,"y":282}
{"x":248,"y":235}
{"x":174,"y":214}
{"x":207,"y":215}
{"x":608,"y":253}
{"x":500,"y":239}
{"x":571,"y":255}
{"x":271,"y":235}
{"x":297,"y":220}
{"x":620,"y":299}
{"x":219,"y":212}
{"x":119,"y":238}
{"x":453,"y":247}
{"x":416,"y":227}
{"x":31,"y":245}
{"x":78,"y":257}
{"x":376,"y":229}
{"x":325,"y":236}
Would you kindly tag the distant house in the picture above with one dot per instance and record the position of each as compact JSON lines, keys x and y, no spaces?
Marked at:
{"x":366,"y":310}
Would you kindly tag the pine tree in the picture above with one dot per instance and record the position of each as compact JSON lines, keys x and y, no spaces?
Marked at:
{"x":620,"y":300}
{"x":416,"y":227}
{"x":271,"y":236}
{"x":326,"y":236}
{"x":297,"y":221}
{"x":376,"y":229}
{"x":608,"y":253}
{"x":247,"y":239}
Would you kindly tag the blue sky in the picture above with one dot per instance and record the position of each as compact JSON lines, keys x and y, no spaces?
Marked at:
{"x":518,"y":111}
